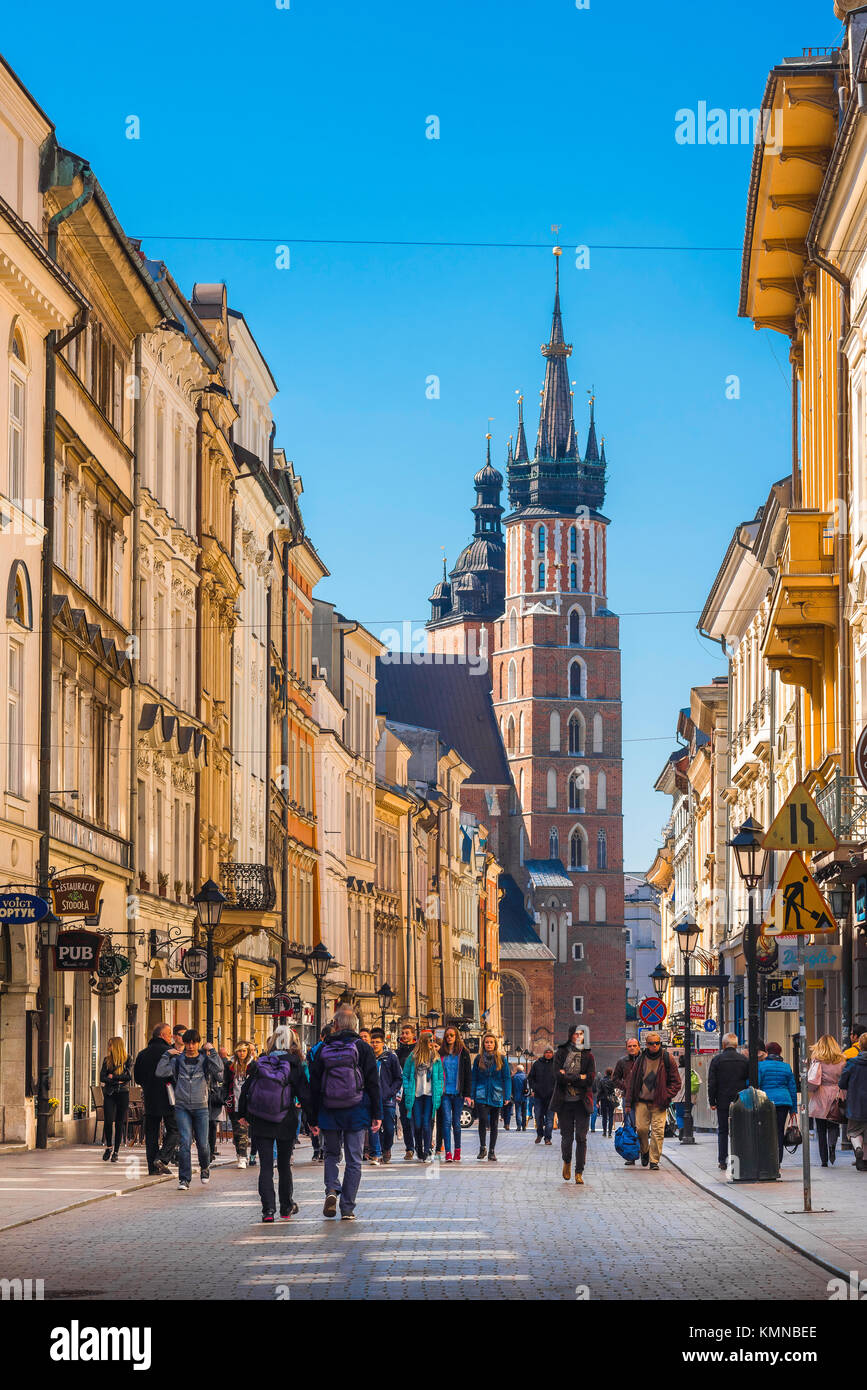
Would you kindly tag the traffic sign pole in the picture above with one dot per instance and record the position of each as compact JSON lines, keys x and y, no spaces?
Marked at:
{"x":802,"y":1067}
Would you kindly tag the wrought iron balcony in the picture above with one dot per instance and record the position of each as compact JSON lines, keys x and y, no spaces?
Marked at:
{"x":249,"y":887}
{"x":843,"y":803}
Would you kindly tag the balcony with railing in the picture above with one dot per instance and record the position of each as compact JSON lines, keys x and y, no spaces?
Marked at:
{"x":248,"y":887}
{"x":843,"y":803}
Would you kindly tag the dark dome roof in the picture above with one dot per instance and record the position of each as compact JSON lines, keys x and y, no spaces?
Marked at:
{"x":488,"y":477}
{"x":441,"y":590}
{"x":467,"y":580}
{"x":482,"y":553}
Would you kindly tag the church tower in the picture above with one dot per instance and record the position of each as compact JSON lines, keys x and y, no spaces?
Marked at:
{"x":555,"y":669}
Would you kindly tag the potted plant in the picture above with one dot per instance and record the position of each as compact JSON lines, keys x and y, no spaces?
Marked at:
{"x":189,"y":891}
{"x":79,"y":1112}
{"x":162,"y":884}
{"x":143,"y":882}
{"x":178,"y":887}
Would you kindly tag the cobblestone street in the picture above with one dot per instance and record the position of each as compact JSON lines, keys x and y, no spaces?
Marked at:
{"x":514,"y":1230}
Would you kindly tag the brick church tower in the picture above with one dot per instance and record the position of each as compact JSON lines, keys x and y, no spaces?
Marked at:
{"x":555,"y":670}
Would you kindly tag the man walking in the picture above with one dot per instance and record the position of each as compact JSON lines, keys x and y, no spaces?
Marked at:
{"x":620,"y":1078}
{"x":651,"y":1085}
{"x":728,"y":1073}
{"x":541,"y":1084}
{"x":390,"y":1083}
{"x":853,"y":1081}
{"x":191,"y":1073}
{"x":519,"y":1098}
{"x":404,"y":1048}
{"x":605,"y":1099}
{"x":347,"y":1102}
{"x":157,"y":1106}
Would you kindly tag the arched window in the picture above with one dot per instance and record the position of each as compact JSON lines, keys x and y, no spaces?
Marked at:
{"x":577,"y":627}
{"x":521,"y":845}
{"x":513,"y":680}
{"x":601,"y":851}
{"x":583,"y":903}
{"x":601,"y":792}
{"x":597,"y":733}
{"x":521,"y":732}
{"x":577,"y":686}
{"x":513,"y":628}
{"x":573,"y":577}
{"x":577,"y":784}
{"x":19,"y":604}
{"x":510,"y":735}
{"x":501,"y":680}
{"x":601,"y":905}
{"x":576,"y":733}
{"x":553,"y":844}
{"x":554,"y":733}
{"x":515,"y":1012}
{"x":576,"y":850}
{"x":552,"y":789}
{"x":521,"y":787}
{"x":540,"y":577}
{"x":17,"y":418}
{"x":573,"y":541}
{"x":540,"y":540}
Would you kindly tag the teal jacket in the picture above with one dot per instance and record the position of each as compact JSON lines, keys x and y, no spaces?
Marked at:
{"x":437,"y":1083}
{"x":490,"y":1087}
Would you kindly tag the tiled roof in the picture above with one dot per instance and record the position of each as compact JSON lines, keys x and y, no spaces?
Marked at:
{"x":516,"y":924}
{"x":454,"y":699}
{"x":547,"y":873}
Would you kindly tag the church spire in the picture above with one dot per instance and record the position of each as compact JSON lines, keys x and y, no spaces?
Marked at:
{"x":591,"y":453}
{"x":520,"y":454}
{"x":555,"y":416}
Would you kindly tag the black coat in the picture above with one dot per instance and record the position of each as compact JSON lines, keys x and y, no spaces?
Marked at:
{"x":573,"y":1093}
{"x":853,"y":1080}
{"x":541,"y":1078}
{"x":119,"y":1080}
{"x":154,"y":1093}
{"x":728,"y":1073}
{"x":288,"y":1127}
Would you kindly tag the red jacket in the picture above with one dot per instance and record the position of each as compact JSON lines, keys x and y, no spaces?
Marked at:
{"x":667,"y":1081}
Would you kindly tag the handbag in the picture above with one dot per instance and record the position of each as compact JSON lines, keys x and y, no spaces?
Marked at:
{"x":793,"y":1138}
{"x":837,"y":1110}
{"x":814,"y":1075}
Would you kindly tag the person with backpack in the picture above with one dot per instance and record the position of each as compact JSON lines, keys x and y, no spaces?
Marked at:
{"x":404,"y":1048}
{"x":490,"y":1091}
{"x":274,"y":1088}
{"x":115,"y":1075}
{"x":191,"y":1074}
{"x":541,"y":1083}
{"x":346,"y":1100}
{"x":457,"y":1079}
{"x":652,"y":1083}
{"x":390,"y":1085}
{"x":606,"y":1098}
{"x":423,"y":1090}
{"x":574,"y":1072}
{"x":519,"y":1097}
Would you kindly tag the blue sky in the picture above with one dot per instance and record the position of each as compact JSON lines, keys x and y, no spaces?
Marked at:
{"x":306,"y":126}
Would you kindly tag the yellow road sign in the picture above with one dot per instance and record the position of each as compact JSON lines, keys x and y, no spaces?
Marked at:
{"x":799,"y":824}
{"x":797,"y":905}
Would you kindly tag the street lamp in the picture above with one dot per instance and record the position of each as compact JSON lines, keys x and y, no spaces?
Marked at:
{"x":384,"y":994}
{"x":688,"y":934}
{"x":209,"y":906}
{"x":660,"y":979}
{"x":751,"y":859}
{"x":319,"y":960}
{"x":433,"y":1019}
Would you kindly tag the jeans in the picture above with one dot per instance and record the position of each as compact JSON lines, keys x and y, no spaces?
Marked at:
{"x":188,"y":1121}
{"x":114,"y":1108}
{"x":521,"y":1113}
{"x":212,"y":1137}
{"x":827,"y":1134}
{"x":722,"y":1121}
{"x":406,"y":1125}
{"x":507,"y":1114}
{"x":574,"y":1121}
{"x":284,"y":1174}
{"x":544,"y":1112}
{"x":422,"y":1123}
{"x":451,"y":1112}
{"x":606,"y":1110}
{"x":382,"y":1139}
{"x":353,"y":1147}
{"x":650,"y":1126}
{"x":489,"y":1118}
{"x":153,"y":1149}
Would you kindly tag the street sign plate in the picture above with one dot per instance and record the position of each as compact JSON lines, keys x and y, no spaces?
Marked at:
{"x":22,"y":908}
{"x":78,"y":950}
{"x":652,"y":1011}
{"x":797,"y":905}
{"x":171,"y":989}
{"x":799,"y":824}
{"x":710,"y":1025}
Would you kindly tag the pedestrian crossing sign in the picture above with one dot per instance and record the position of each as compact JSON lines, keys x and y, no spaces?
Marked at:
{"x":799,"y":824}
{"x":797,"y":905}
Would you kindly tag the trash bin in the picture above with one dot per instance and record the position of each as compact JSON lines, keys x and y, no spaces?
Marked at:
{"x":753,"y":1138}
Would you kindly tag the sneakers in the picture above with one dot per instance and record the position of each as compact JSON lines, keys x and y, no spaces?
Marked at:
{"x":242,"y":1162}
{"x":428,"y":1158}
{"x":654,"y":1168}
{"x":253,"y":1161}
{"x":106,"y":1156}
{"x":330,"y":1207}
{"x":287,"y":1212}
{"x":645,"y":1159}
{"x":457,"y":1155}
{"x":268,"y":1217}
{"x":567,"y":1172}
{"x":386,"y":1155}
{"x":859,"y":1160}
{"x":162,"y":1168}
{"x":579,"y":1178}
{"x":183,"y":1186}
{"x":538,"y":1138}
{"x":114,"y":1156}
{"x":205,"y":1175}
{"x":449,"y":1158}
{"x":483,"y":1153}
{"x":374,"y":1162}
{"x":409,"y":1156}
{"x":630,"y":1162}
{"x":492,"y":1157}
{"x":347,"y":1216}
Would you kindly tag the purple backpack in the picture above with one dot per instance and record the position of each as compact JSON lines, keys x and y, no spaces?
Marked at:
{"x":270,"y":1094}
{"x":342,"y":1082}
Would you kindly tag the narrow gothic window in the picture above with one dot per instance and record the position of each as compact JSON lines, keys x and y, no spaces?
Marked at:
{"x":573,"y":577}
{"x":573,"y":541}
{"x":575,"y":679}
{"x":576,"y":791}
{"x":576,"y":734}
{"x":541,"y":578}
{"x":576,"y":850}
{"x":601,"y":851}
{"x":554,"y":733}
{"x":513,"y":629}
{"x":554,"y":844}
{"x":541,"y":540}
{"x":576,"y":634}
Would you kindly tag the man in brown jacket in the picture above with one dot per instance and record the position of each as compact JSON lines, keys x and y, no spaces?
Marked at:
{"x":652,"y":1084}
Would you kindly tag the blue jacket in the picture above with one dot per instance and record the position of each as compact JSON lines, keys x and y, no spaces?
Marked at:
{"x":853,"y":1080}
{"x":390,"y":1076}
{"x":519,"y":1086}
{"x":490,"y":1087}
{"x":777,"y":1080}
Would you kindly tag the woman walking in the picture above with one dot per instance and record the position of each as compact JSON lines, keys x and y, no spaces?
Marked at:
{"x":777,"y":1080}
{"x":826,"y":1068}
{"x":422,"y":1092}
{"x":457,"y":1080}
{"x":114,"y":1077}
{"x":606,"y":1099}
{"x":574,"y":1072}
{"x":274,"y":1087}
{"x":490,"y":1091}
{"x":236,"y":1075}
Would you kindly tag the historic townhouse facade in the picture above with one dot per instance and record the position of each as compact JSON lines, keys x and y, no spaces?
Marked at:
{"x":332,"y":762}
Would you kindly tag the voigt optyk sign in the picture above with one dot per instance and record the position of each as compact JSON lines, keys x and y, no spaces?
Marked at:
{"x":22,"y":908}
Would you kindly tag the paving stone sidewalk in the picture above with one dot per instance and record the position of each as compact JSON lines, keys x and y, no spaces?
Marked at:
{"x":835,"y":1232}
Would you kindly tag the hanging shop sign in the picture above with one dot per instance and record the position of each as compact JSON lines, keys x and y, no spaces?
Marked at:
{"x":76,"y":895}
{"x":816,"y":957}
{"x":78,"y":950}
{"x":22,"y":908}
{"x":782,"y":994}
{"x":767,"y":954}
{"x":195,"y":963}
{"x":171,"y":989}
{"x":861,"y":757}
{"x":861,"y":901}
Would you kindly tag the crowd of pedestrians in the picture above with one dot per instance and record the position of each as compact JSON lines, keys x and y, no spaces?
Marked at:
{"x":353,"y":1095}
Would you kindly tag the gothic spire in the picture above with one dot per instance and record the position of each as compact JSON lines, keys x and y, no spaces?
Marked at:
{"x":520,"y":454}
{"x":555,"y":416}
{"x":591,"y":453}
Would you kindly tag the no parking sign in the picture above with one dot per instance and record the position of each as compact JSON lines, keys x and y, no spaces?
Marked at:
{"x":652,"y":1012}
